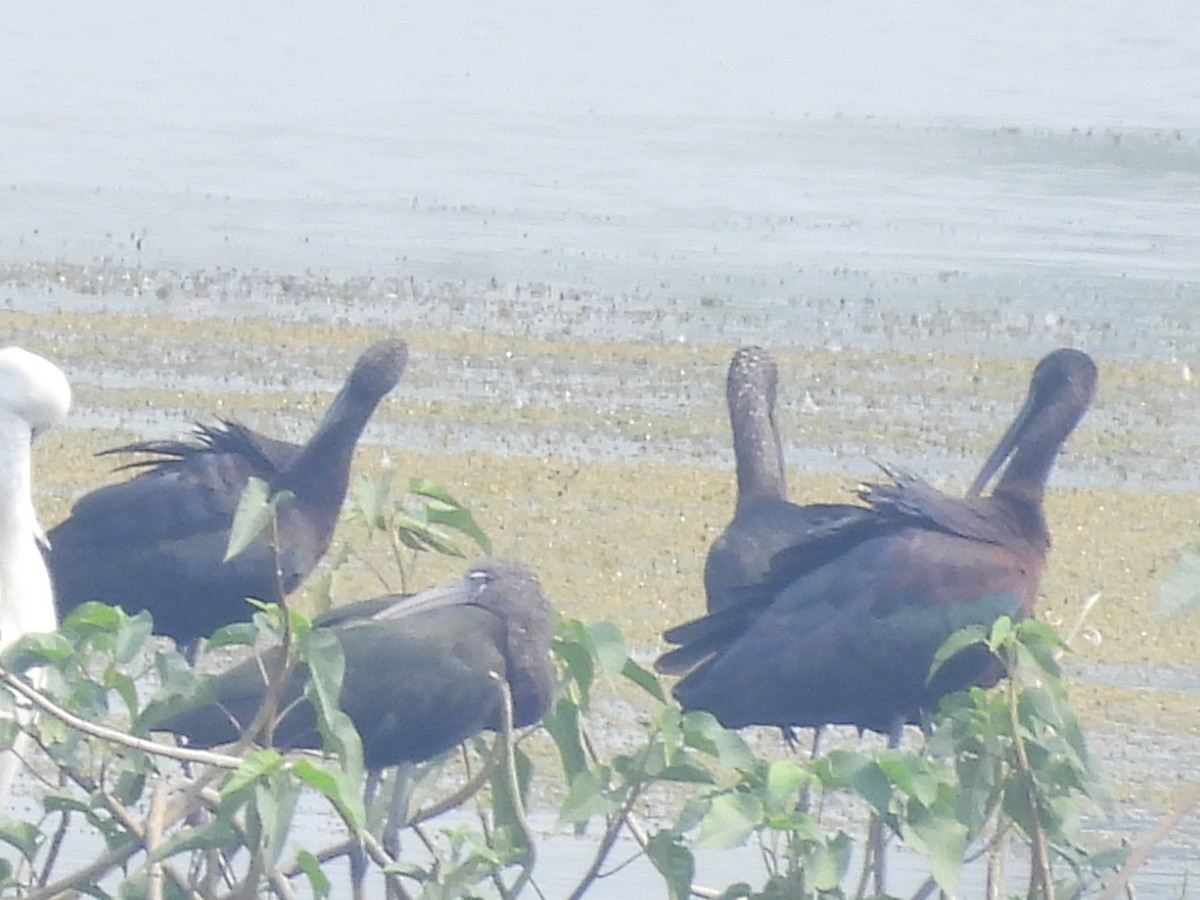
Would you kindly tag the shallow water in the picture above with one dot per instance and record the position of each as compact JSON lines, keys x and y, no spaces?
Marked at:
{"x":885,"y":197}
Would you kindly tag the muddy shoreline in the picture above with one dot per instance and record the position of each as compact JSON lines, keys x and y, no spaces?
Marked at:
{"x":606,"y":464}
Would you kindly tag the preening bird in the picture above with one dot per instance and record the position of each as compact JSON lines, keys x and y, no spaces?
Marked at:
{"x":34,"y":396}
{"x":765,"y":521}
{"x":846,"y":633}
{"x":421,"y":676}
{"x":419,"y":670}
{"x":157,"y":541}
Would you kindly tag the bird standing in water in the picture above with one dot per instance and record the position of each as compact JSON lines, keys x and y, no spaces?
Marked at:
{"x":34,"y":396}
{"x":847,"y":635}
{"x":158,"y":541}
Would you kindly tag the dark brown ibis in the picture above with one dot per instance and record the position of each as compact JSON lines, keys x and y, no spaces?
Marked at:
{"x":158,"y":541}
{"x":848,"y":635}
{"x":764,"y":521}
{"x":419,"y":670}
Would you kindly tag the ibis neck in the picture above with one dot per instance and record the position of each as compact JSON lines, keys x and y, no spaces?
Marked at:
{"x":320,"y":473}
{"x":1023,"y":483}
{"x":756,"y":445}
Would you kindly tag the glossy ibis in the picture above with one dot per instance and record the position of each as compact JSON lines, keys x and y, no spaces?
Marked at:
{"x":158,"y":540}
{"x":847,"y":635}
{"x":419,"y":668}
{"x":34,"y":396}
{"x":764,"y":521}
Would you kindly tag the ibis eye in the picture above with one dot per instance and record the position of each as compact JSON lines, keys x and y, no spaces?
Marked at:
{"x":479,"y":579}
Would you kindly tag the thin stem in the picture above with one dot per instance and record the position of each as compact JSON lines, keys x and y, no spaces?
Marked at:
{"x":635,"y":828}
{"x":56,"y":843}
{"x":1139,"y":856}
{"x":203,"y":757}
{"x":615,"y":824}
{"x":513,"y":783}
{"x":1040,"y":869}
{"x":154,"y":833}
{"x":118,"y":856}
{"x":1080,"y":619}
{"x":267,"y":716}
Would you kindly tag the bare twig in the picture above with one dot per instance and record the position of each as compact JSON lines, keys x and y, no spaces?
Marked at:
{"x":1077,"y":627}
{"x":463,"y":794}
{"x":153,"y":839}
{"x":202,"y":757}
{"x":505,"y":740}
{"x":1139,"y":856}
{"x":1040,"y":875}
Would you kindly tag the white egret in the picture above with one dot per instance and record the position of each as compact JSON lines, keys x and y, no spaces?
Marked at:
{"x":34,"y":396}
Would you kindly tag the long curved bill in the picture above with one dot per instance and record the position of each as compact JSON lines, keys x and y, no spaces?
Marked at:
{"x":456,"y":593}
{"x":1004,"y":449}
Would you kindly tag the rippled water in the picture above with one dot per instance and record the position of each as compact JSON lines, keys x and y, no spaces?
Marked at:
{"x":1037,"y":160}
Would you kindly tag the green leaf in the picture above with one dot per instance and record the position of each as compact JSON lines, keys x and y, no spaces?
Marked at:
{"x":645,"y":679}
{"x":1001,"y":632}
{"x":326,"y":663}
{"x":445,"y":510}
{"x":910,"y":774}
{"x":1042,"y":644}
{"x":1033,"y":631}
{"x":418,"y":534}
{"x":785,"y":778}
{"x":91,"y":617}
{"x":369,"y":500}
{"x":702,"y":731}
{"x":576,"y":658}
{"x":873,"y":785}
{"x":586,"y":797}
{"x":825,"y":865}
{"x":683,"y":771}
{"x":255,"y":765}
{"x":504,"y":806}
{"x":955,"y":644}
{"x":1179,"y":591}
{"x":461,"y":520}
{"x":219,"y":834}
{"x":1016,"y":804}
{"x":132,"y":782}
{"x":24,"y":836}
{"x":317,"y":880}
{"x":253,"y":514}
{"x":132,"y":636}
{"x":562,"y":723}
{"x":274,"y":804}
{"x":333,"y":782}
{"x":942,"y":840}
{"x":608,"y":648}
{"x":31,"y":650}
{"x":674,"y":862}
{"x":695,"y":808}
{"x":731,"y":819}
{"x":237,"y":634}
{"x":837,"y":768}
{"x":125,"y":687}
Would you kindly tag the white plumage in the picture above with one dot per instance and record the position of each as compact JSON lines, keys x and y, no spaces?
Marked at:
{"x":34,"y":396}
